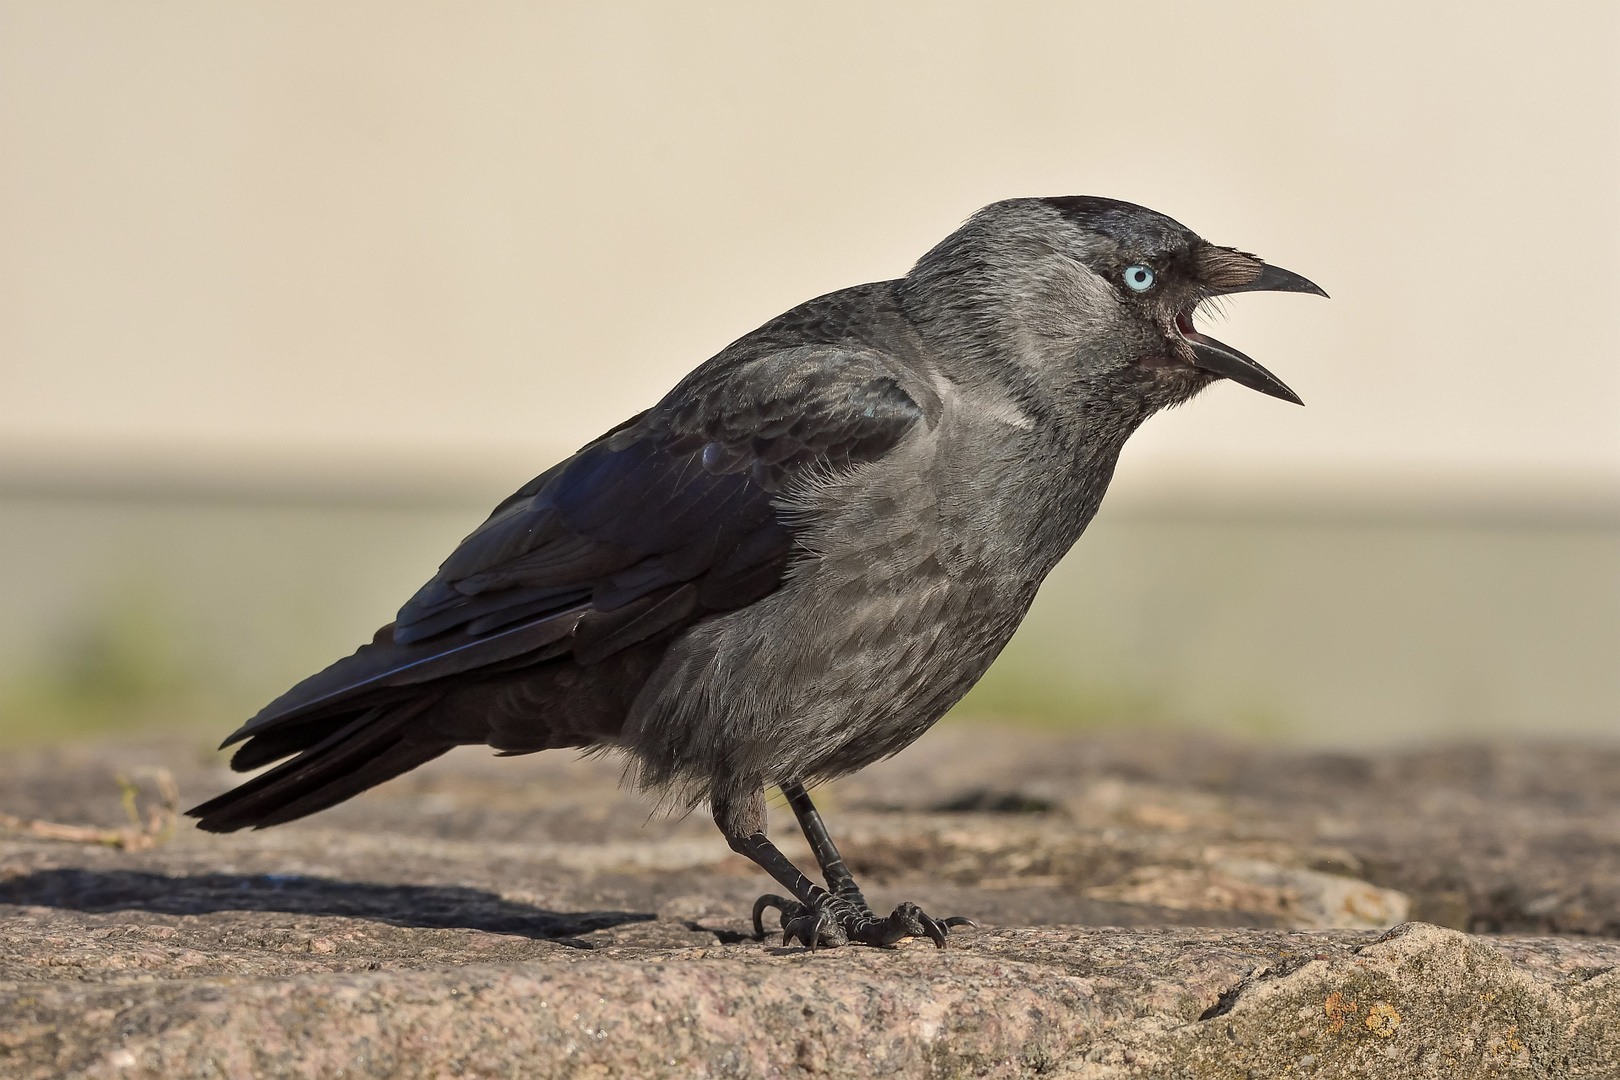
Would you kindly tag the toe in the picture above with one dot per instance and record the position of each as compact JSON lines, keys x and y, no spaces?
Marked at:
{"x":787,"y":909}
{"x":801,"y":928}
{"x":830,"y":931}
{"x":909,"y":920}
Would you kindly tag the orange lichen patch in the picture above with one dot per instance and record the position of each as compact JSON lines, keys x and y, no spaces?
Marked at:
{"x":1508,"y":1044}
{"x":1382,"y":1020}
{"x":1337,"y":1009}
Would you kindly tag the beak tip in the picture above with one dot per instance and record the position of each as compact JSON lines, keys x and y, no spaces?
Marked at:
{"x":1280,"y":391}
{"x":1274,"y":279}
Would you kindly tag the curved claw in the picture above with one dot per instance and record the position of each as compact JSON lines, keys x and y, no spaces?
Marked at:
{"x":782,"y":904}
{"x":909,"y":920}
{"x":821,"y":926}
{"x":940,"y":929}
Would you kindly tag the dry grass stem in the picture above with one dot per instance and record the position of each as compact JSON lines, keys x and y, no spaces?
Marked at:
{"x":138,"y":835}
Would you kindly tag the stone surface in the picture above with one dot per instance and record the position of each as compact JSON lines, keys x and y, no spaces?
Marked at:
{"x":527,"y":918}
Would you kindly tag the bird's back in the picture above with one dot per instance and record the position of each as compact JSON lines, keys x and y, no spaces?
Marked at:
{"x":540,"y":630}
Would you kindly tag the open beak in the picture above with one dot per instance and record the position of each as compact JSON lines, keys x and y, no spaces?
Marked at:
{"x":1223,"y":360}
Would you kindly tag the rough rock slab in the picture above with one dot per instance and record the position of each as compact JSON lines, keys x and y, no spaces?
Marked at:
{"x":1418,"y":1002}
{"x":498,"y":918}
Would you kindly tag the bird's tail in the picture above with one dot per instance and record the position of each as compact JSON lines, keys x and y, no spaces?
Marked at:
{"x":374,"y":746}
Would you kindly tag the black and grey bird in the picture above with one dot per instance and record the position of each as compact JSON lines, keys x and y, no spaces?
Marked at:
{"x":801,"y":557}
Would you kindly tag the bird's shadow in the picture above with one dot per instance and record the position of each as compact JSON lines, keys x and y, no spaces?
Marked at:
{"x":422,"y":906}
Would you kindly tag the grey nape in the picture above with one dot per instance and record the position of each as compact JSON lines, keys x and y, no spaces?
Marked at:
{"x":801,"y":557}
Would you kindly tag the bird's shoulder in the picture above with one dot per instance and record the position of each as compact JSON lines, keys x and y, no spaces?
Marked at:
{"x":849,"y":363}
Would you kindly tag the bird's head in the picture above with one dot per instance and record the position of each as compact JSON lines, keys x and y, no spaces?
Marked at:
{"x":1096,"y":292}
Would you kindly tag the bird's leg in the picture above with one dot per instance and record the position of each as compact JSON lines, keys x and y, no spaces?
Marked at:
{"x":816,"y":916}
{"x":839,"y":879}
{"x":742,"y":821}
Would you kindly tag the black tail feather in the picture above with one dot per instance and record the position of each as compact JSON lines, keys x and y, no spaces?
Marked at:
{"x":377,"y":745}
{"x":284,"y":741}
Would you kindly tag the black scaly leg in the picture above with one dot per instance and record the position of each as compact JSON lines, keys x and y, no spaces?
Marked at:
{"x":839,"y":879}
{"x":820,"y":917}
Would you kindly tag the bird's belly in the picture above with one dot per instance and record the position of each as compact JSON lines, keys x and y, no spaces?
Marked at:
{"x":829,"y":674}
{"x":892,"y":660}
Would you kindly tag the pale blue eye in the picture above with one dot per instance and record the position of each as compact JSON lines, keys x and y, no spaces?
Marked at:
{"x":1139,"y":278}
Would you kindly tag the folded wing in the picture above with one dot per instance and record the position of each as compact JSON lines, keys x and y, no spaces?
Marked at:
{"x":666,"y":520}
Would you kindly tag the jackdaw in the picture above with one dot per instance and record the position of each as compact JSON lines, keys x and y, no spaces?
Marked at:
{"x":801,"y":557}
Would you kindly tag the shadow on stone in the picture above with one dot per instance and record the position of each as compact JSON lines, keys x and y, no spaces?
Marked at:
{"x":429,"y":906}
{"x":986,"y":800}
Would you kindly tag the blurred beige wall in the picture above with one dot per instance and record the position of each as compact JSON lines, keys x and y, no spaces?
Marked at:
{"x":341,"y":233}
{"x":397,"y":257}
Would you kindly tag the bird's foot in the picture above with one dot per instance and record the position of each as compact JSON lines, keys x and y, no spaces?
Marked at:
{"x":830,"y":921}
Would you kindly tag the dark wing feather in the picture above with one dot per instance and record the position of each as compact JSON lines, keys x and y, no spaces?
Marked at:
{"x":661,"y":522}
